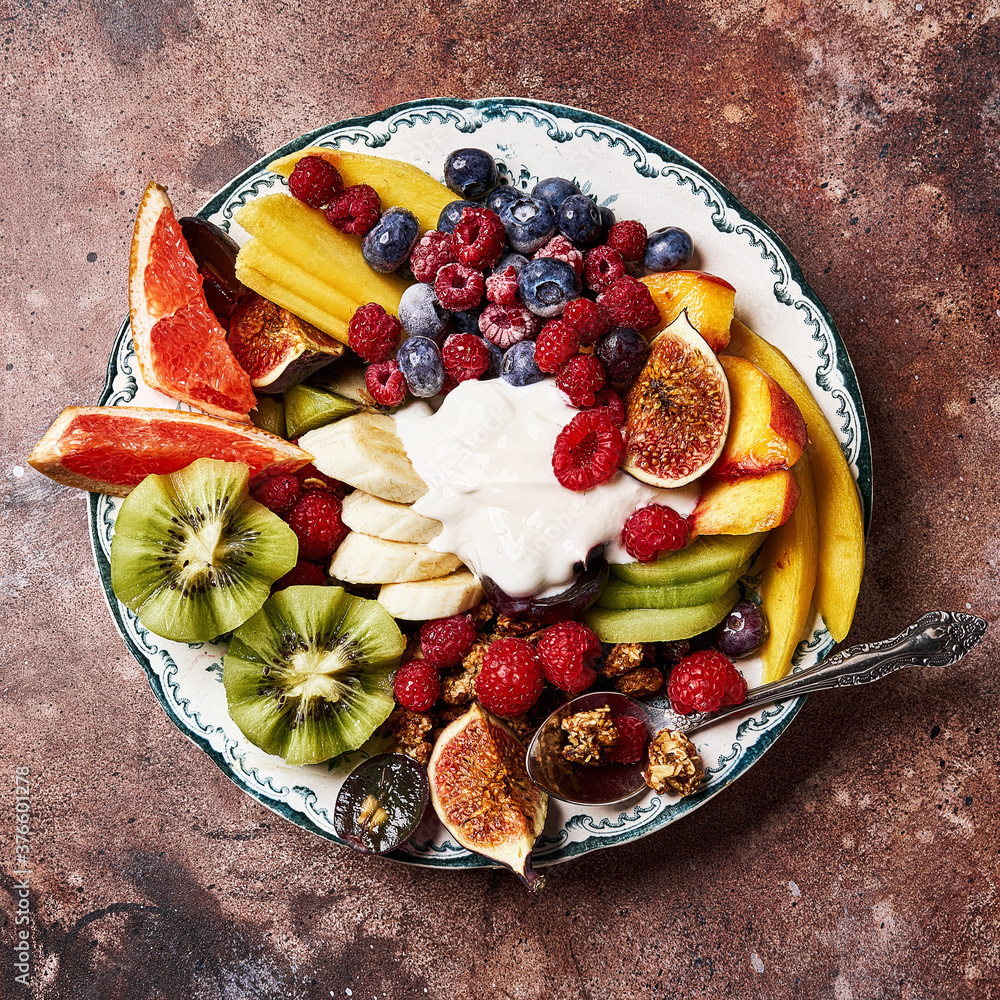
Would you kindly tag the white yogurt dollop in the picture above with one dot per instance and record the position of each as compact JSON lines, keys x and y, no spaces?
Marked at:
{"x":486,"y":456}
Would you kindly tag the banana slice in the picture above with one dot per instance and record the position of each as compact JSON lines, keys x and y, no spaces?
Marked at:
{"x":396,"y":522}
{"x":426,"y":599}
{"x":365,"y":451}
{"x":365,"y":559}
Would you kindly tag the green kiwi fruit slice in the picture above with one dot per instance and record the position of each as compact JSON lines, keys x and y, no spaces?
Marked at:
{"x":307,"y":408}
{"x":659,"y":624}
{"x":309,"y":676}
{"x":706,"y":556}
{"x":269,"y":415}
{"x":193,"y":555}
{"x":619,"y":595}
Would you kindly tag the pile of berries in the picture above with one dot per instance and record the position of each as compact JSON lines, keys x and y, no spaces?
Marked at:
{"x":512,"y":284}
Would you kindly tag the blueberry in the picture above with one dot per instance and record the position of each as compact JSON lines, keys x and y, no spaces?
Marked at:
{"x":743,"y":631}
{"x":623,"y":352}
{"x":579,"y":219}
{"x":547,"y":284}
{"x":390,"y":240}
{"x":451,"y":213}
{"x":467,"y":320}
{"x":668,"y":249}
{"x":607,"y":221}
{"x":420,"y":362}
{"x":514,"y":260}
{"x":530,"y":224}
{"x":496,"y":360}
{"x":420,"y":312}
{"x":499,"y":198}
{"x":471,"y":173}
{"x":554,"y":190}
{"x":518,"y":367}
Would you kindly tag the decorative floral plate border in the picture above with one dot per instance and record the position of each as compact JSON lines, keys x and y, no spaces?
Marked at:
{"x":640,"y":177}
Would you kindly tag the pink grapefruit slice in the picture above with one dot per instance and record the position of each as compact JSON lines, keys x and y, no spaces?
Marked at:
{"x":110,"y":449}
{"x":179,"y":344}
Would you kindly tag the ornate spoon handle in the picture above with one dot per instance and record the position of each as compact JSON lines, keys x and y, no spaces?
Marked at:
{"x":936,"y":639}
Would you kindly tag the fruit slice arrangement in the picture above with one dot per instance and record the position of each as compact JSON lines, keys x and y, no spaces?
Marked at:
{"x":667,"y":387}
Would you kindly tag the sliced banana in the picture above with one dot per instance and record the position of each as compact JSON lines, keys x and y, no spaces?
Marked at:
{"x":426,"y":599}
{"x":365,"y":451}
{"x":366,"y":559}
{"x":396,"y":522}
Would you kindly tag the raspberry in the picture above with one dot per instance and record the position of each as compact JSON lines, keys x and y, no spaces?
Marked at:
{"x":556,"y":344}
{"x":511,"y":678}
{"x":603,"y":267}
{"x":445,"y":641}
{"x":278,"y":493}
{"x":478,"y":238}
{"x":581,"y":378}
{"x":416,"y":685}
{"x":465,"y":357}
{"x":501,"y":286}
{"x":385,"y":382}
{"x":568,"y":652}
{"x":588,"y":450}
{"x":560,"y":248}
{"x":699,"y":683}
{"x":504,"y":325}
{"x":632,"y":736}
{"x":315,"y":181}
{"x":612,"y":402}
{"x":431,"y":253}
{"x":356,"y":210}
{"x":458,"y":287}
{"x":736,"y":685}
{"x":588,"y":319}
{"x":302,"y":574}
{"x":629,"y":303}
{"x":372,"y":333}
{"x":315,"y":519}
{"x":652,"y":530}
{"x":628,"y":237}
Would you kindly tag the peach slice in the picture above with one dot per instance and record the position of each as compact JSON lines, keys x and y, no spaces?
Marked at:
{"x":790,"y":558}
{"x":766,"y":429}
{"x":841,"y":526}
{"x":745,"y":505}
{"x":708,"y":300}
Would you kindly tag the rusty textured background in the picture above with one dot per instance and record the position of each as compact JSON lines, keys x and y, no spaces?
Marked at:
{"x":860,"y":857}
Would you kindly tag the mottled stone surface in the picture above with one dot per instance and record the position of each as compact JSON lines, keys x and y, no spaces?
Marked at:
{"x":859,"y":858}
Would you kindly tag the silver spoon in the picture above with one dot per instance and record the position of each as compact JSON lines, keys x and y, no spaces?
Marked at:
{"x":936,"y":639}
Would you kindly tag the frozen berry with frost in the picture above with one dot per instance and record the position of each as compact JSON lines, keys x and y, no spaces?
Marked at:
{"x":385,"y":382}
{"x":471,"y":172}
{"x":429,"y":254}
{"x":586,"y":317}
{"x":420,"y":313}
{"x":315,"y":519}
{"x":588,"y":450}
{"x":465,"y":357}
{"x":579,"y":219}
{"x":505,"y":325}
{"x":580,"y":379}
{"x":372,"y":333}
{"x":519,"y":366}
{"x":501,"y":286}
{"x":478,"y":238}
{"x":511,"y":678}
{"x":628,"y":303}
{"x":654,"y":529}
{"x":315,"y":181}
{"x":420,"y":362}
{"x":556,"y":344}
{"x":628,"y":237}
{"x":389,"y":242}
{"x":444,"y":641}
{"x":278,"y":493}
{"x":417,"y":685}
{"x":569,"y":652}
{"x":699,"y":683}
{"x":458,"y":286}
{"x":356,"y":210}
{"x":546,"y":285}
{"x":602,"y":267}
{"x":560,"y":248}
{"x":529,"y":223}
{"x":613,"y":403}
{"x":451,"y":213}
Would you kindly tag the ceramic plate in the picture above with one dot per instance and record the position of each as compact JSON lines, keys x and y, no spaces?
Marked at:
{"x":638,"y":177}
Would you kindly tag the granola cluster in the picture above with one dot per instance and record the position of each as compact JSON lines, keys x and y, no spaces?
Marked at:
{"x":589,"y":735}
{"x":674,"y":764}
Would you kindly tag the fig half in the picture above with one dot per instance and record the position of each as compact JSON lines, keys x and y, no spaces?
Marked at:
{"x":677,"y":410}
{"x":482,"y":794}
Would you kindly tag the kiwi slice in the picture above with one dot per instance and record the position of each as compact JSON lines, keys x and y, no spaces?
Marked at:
{"x":310,"y":675}
{"x":659,"y":624}
{"x":307,"y":408}
{"x":619,"y":595}
{"x":706,"y":556}
{"x":269,"y":415}
{"x":193,"y":555}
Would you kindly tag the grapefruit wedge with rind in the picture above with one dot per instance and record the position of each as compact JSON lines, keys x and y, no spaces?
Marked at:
{"x":179,"y":344}
{"x":111,"y":449}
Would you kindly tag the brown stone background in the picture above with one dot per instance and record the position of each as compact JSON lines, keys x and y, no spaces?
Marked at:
{"x":860,"y":857}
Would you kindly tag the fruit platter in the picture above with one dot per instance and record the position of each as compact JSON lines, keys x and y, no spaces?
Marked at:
{"x":484,"y":404}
